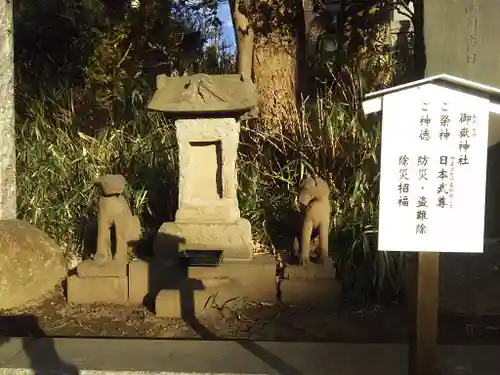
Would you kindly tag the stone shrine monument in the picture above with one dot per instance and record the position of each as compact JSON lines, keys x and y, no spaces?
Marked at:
{"x":207,"y":251}
{"x":208,"y":217}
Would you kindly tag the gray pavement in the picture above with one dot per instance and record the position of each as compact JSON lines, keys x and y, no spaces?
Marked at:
{"x":75,"y":356}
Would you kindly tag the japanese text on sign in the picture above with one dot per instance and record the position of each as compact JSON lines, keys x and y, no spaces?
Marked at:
{"x":433,"y":162}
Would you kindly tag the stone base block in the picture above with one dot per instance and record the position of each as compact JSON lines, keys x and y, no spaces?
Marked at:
{"x":146,"y":277}
{"x":310,"y":285}
{"x":171,"y":303}
{"x":221,"y":210}
{"x":97,"y":290}
{"x":186,"y":303}
{"x":138,"y":281}
{"x":310,"y":271}
{"x":234,"y":239}
{"x":314,"y":293}
{"x":257,"y":277}
{"x":92,"y":268}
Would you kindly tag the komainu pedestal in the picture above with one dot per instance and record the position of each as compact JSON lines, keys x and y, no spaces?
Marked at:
{"x":99,"y":283}
{"x":310,"y":285}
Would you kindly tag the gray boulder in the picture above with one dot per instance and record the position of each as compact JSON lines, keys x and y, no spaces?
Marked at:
{"x":31,"y":264}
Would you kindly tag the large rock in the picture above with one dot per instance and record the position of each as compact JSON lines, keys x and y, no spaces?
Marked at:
{"x":31,"y":264}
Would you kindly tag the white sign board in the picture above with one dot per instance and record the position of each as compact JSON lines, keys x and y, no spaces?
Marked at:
{"x":433,"y":170}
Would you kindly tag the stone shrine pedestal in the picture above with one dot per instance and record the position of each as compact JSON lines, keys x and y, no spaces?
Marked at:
{"x":208,"y":217}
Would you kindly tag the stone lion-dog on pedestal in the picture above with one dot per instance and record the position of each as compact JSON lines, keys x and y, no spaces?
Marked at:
{"x":114,"y":211}
{"x":314,"y":201}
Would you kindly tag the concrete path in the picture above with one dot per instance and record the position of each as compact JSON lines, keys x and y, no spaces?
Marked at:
{"x":75,"y":356}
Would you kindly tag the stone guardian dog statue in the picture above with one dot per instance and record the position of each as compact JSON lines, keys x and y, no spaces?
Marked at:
{"x":114,"y":213}
{"x":314,"y":201}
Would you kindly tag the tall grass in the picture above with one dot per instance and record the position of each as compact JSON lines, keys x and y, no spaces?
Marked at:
{"x":57,"y":164}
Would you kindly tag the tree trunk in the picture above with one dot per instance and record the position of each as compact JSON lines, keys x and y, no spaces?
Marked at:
{"x":310,"y":36}
{"x":420,"y":59}
{"x":244,"y":38}
{"x":276,"y":26}
{"x":217,"y":41}
{"x":7,"y":130}
{"x":308,"y":41}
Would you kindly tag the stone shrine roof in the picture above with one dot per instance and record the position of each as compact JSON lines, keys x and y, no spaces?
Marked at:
{"x":203,"y":93}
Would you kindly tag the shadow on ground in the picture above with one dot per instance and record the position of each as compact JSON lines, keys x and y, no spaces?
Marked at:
{"x":43,"y":359}
{"x":187,"y":288}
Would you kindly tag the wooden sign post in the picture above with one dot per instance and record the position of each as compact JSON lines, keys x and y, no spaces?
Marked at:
{"x":432,"y":185}
{"x":423,"y":311}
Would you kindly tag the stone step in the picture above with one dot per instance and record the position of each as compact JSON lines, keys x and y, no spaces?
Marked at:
{"x":94,"y":356}
{"x":26,"y":371}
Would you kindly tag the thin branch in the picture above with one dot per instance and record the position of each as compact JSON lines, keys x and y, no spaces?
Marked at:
{"x":125,"y":55}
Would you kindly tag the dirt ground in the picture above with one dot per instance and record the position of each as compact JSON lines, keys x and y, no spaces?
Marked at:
{"x":368,"y":323}
{"x":470,"y":313}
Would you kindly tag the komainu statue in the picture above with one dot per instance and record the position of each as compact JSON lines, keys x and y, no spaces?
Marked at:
{"x":116,"y":226}
{"x":314,"y":201}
